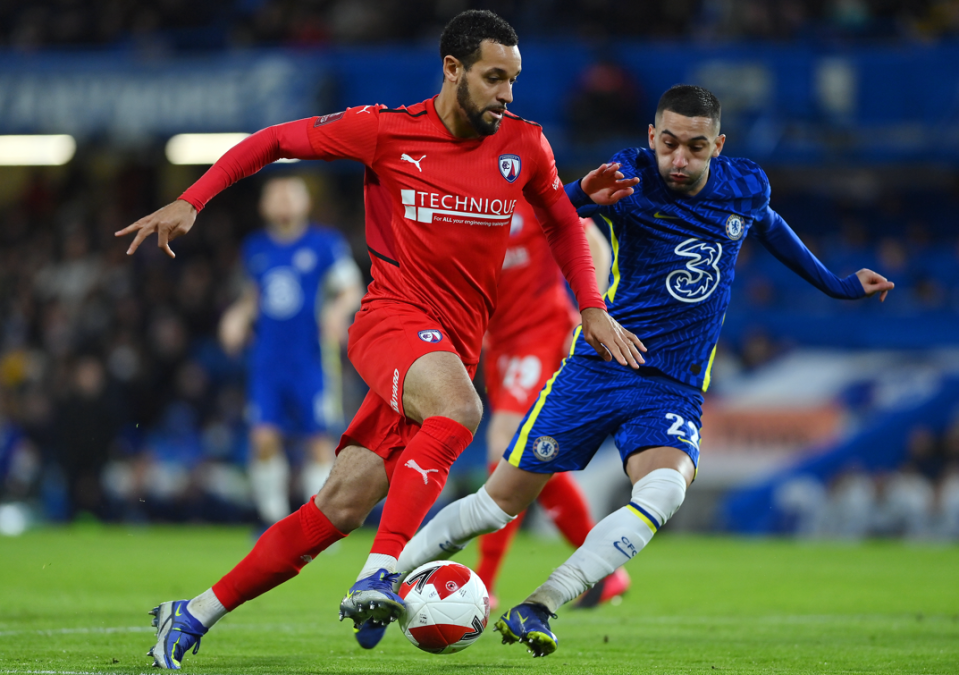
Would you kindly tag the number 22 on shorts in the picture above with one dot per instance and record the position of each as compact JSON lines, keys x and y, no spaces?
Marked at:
{"x":677,"y":430}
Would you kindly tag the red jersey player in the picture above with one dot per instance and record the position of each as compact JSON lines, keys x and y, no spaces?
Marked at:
{"x":527,"y":338}
{"x":442,"y":180}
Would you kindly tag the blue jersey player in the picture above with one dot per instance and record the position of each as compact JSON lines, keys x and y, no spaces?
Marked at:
{"x":675,"y":242}
{"x":303,"y":288}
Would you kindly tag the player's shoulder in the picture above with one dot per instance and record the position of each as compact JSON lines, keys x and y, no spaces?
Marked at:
{"x":255,"y":240}
{"x":634,"y":160}
{"x":320,"y":234}
{"x":741,"y":178}
{"x":404,"y":112}
{"x":521,"y":122}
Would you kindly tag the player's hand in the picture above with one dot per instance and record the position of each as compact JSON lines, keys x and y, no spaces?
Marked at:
{"x":170,"y":222}
{"x":610,"y":340}
{"x":873,"y":282}
{"x":606,"y":184}
{"x":233,"y":331}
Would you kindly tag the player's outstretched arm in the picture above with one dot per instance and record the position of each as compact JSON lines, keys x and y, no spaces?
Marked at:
{"x":170,"y":222}
{"x":289,"y":140}
{"x":873,"y":282}
{"x":610,"y":340}
{"x":606,"y":185}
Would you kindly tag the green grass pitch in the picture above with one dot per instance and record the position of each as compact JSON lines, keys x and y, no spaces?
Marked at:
{"x":76,"y":600}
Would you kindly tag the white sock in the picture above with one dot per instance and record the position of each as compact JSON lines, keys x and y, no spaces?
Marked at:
{"x":377,"y":561}
{"x":616,"y":538}
{"x":269,"y":481}
{"x":207,"y":608}
{"x":313,"y":476}
{"x":452,"y":529}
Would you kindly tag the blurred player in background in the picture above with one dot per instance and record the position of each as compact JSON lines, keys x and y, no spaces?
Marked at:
{"x":527,"y":338}
{"x":675,"y":242}
{"x":442,"y":179}
{"x":301,"y":292}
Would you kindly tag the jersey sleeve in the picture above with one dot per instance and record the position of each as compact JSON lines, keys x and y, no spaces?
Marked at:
{"x":351,"y":134}
{"x":282,"y":141}
{"x":544,"y":186}
{"x":567,"y":242}
{"x":780,"y":240}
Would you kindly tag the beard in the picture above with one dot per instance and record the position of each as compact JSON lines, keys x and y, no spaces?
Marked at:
{"x":473,"y":114}
{"x":688,"y":185}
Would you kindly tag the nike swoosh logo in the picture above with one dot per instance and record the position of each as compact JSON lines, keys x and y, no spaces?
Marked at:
{"x":664,"y":216}
{"x":178,"y":612}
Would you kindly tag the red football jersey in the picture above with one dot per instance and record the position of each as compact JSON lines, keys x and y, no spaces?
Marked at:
{"x":532,"y":290}
{"x":438,"y":207}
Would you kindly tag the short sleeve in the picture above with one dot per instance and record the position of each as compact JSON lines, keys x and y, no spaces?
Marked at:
{"x":544,"y":186}
{"x":351,"y":134}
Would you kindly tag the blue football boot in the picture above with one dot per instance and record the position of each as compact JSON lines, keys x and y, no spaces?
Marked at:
{"x":373,"y":599}
{"x":369,"y":633}
{"x":177,"y":631}
{"x":529,"y":623}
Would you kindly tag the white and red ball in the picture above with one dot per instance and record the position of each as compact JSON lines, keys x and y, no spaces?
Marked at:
{"x":447,"y":607}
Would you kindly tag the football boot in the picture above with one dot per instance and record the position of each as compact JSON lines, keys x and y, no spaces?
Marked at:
{"x":373,"y":598}
{"x":529,"y":623}
{"x":177,"y":632}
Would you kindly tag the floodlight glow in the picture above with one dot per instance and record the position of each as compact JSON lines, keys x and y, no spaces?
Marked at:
{"x":52,"y":150}
{"x":203,"y":148}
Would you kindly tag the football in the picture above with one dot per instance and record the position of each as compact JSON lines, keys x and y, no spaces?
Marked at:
{"x":447,"y":607}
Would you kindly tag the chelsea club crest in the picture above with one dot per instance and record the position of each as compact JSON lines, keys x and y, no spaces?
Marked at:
{"x":734,"y":227}
{"x":545,"y":448}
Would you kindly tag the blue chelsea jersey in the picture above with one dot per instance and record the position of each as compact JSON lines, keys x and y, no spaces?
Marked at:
{"x":674,"y":258}
{"x":289,"y":276}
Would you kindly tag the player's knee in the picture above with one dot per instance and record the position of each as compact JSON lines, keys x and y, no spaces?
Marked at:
{"x":466,"y":409}
{"x":661,"y":492}
{"x":344,"y":517}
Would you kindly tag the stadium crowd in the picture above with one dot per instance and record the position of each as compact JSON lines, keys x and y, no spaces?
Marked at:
{"x":920,"y":500}
{"x":117,"y":400}
{"x":180,"y":25}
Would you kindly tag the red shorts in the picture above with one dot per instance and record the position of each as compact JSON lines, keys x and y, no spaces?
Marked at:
{"x":516,"y":373}
{"x":386,"y":338}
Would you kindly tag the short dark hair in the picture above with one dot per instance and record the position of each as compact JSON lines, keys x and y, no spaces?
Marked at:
{"x":463,"y":34}
{"x":689,"y":100}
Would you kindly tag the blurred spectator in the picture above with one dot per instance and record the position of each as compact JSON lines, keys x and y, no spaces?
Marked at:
{"x":87,"y":422}
{"x":606,"y":104}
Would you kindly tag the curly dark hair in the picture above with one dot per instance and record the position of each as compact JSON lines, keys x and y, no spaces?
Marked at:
{"x":463,"y":34}
{"x":689,"y":100}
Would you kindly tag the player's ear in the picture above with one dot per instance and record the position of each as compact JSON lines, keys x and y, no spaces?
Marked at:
{"x":452,"y":68}
{"x":652,"y":137}
{"x":720,"y":142}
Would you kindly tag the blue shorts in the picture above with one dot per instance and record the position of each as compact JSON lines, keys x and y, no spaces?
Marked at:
{"x":290,"y":397}
{"x":587,"y":400}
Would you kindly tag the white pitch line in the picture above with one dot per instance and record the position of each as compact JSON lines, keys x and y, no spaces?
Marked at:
{"x":149,"y":629}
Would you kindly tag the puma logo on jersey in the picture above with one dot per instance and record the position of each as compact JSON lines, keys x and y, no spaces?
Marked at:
{"x":406,"y":158}
{"x":421,"y":471}
{"x":664,"y":216}
{"x":365,"y":109}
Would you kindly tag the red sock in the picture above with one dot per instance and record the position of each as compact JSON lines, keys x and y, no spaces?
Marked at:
{"x":417,"y":481}
{"x":567,"y":507}
{"x":278,"y":555}
{"x":492,"y":550}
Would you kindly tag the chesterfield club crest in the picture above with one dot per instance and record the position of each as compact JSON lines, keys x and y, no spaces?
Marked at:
{"x":509,"y":166}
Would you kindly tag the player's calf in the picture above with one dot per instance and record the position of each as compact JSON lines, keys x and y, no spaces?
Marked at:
{"x":616,"y":539}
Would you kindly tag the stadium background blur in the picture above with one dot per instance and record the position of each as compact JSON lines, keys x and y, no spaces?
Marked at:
{"x":824,"y":418}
